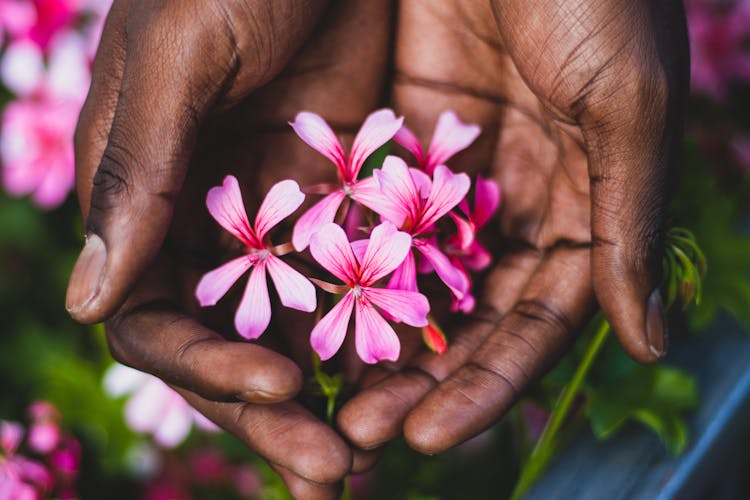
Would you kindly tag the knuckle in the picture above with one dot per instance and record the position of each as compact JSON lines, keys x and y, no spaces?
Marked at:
{"x":544,"y":312}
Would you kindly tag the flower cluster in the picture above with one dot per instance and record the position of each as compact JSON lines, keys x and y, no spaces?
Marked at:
{"x":54,"y":457}
{"x":46,"y":65}
{"x":378,"y":274}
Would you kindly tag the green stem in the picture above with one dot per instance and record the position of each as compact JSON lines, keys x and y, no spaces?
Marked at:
{"x":545,"y":447}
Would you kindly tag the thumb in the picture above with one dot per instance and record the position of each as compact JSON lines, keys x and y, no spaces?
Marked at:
{"x":177,"y":64}
{"x":632,"y":155}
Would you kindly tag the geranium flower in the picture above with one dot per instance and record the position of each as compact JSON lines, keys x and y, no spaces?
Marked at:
{"x":451,"y":135}
{"x":378,"y":128}
{"x":154,"y":408}
{"x":37,"y":20}
{"x":360,"y":265}
{"x":414,"y":202}
{"x":464,"y":250}
{"x":254,"y":312}
{"x":20,"y":478}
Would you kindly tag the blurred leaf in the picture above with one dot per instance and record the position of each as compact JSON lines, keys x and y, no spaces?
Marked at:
{"x":714,"y":216}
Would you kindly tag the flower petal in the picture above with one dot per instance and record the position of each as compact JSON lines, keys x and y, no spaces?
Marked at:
{"x":400,"y":200}
{"x":451,"y":136}
{"x":486,"y":201}
{"x":333,"y":251}
{"x":377,"y":129}
{"x":367,"y":193}
{"x":476,"y":257}
{"x":120,"y":380}
{"x":214,"y":284}
{"x":375,"y":339}
{"x":226,"y":206}
{"x":281,"y":201}
{"x":175,"y":423}
{"x":254,"y":312}
{"x":465,"y":236}
{"x":11,"y":435}
{"x":448,"y":189}
{"x":144,"y":409}
{"x":294,"y":290}
{"x":328,"y":335}
{"x":386,"y":251}
{"x":401,"y":305}
{"x":316,"y":217}
{"x":314,"y":130}
{"x":405,"y":275}
{"x":447,"y":272}
{"x":406,"y":138}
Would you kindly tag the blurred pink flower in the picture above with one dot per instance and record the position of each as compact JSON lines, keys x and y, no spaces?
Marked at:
{"x":154,"y":408}
{"x":377,"y":129}
{"x":37,"y":20}
{"x":451,"y":135}
{"x":20,"y":477}
{"x":413,"y":201}
{"x":360,"y":265}
{"x":44,"y":431}
{"x":295,"y":291}
{"x":719,"y":36}
{"x":36,"y":141}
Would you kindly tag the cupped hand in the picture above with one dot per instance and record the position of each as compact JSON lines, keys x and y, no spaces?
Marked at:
{"x":184,"y":93}
{"x":581,"y":108}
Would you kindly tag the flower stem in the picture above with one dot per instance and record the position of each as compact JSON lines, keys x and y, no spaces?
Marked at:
{"x":545,"y":447}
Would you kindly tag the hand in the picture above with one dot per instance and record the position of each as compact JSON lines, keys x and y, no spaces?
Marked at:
{"x":183,"y":94}
{"x":581,"y":109}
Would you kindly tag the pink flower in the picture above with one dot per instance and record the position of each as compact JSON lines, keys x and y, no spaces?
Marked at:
{"x":37,"y":20}
{"x":378,"y":128}
{"x":465,"y":251}
{"x":450,"y":136}
{"x":360,"y":265}
{"x":295,"y":291}
{"x":154,"y":408}
{"x":20,"y":477}
{"x":44,"y":432}
{"x":719,"y":34}
{"x":414,"y":202}
{"x":36,"y":144}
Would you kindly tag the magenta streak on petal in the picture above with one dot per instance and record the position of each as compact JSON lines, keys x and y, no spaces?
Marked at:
{"x":447,"y":272}
{"x":450,"y":136}
{"x":378,"y":128}
{"x":448,"y":189}
{"x":486,"y":201}
{"x":466,"y":230}
{"x":406,"y":138}
{"x":401,"y":200}
{"x":331,"y":249}
{"x":226,"y":206}
{"x":387,"y":249}
{"x":405,"y":275}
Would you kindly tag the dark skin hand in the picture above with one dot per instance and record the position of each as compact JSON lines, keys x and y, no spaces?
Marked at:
{"x":183,"y":94}
{"x":581,"y":109}
{"x":581,"y":112}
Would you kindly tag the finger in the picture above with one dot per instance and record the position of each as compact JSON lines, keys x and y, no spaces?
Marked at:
{"x":524,"y":344}
{"x":632,"y":153}
{"x":303,"y":489}
{"x":150,"y":334}
{"x":95,"y":120}
{"x":364,"y":460}
{"x":285,"y":434}
{"x":376,"y":415}
{"x":175,"y":70}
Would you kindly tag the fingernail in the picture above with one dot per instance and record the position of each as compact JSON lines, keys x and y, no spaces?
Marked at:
{"x":87,"y":274}
{"x":656,"y":325}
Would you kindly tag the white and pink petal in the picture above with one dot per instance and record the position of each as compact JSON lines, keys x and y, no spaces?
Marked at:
{"x":254,"y":312}
{"x":451,"y":136}
{"x":328,"y":334}
{"x":332,"y":250}
{"x":226,"y":206}
{"x":314,"y":130}
{"x":375,"y":339}
{"x":316,"y":217}
{"x":295,"y":291}
{"x":281,"y":201}
{"x":379,"y":127}
{"x":215,"y":284}
{"x":386,"y":250}
{"x":401,"y":305}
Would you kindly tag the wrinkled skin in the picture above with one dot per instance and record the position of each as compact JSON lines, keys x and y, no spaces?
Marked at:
{"x":580,"y":107}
